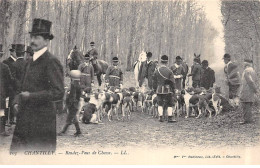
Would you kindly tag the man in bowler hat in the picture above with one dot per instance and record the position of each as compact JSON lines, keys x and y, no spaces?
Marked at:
{"x":42,"y":85}
{"x":232,"y":79}
{"x":5,"y":89}
{"x":248,"y":90}
{"x":164,"y":85}
{"x":114,"y":74}
{"x":146,"y":72}
{"x":19,"y":65}
{"x":92,"y":52}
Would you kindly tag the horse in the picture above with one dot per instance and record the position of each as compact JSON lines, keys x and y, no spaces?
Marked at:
{"x":100,"y":68}
{"x":74,"y":59}
{"x":137,"y":65}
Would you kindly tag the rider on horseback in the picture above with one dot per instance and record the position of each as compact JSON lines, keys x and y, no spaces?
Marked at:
{"x":87,"y":75}
{"x":92,"y":52}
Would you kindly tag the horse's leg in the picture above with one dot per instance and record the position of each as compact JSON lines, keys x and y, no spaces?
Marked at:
{"x":99,"y":79}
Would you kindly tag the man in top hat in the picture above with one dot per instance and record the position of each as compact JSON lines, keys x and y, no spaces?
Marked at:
{"x":87,"y":75}
{"x":5,"y":89}
{"x":114,"y":74}
{"x":92,"y":52}
{"x":42,"y":86}
{"x":207,"y":78}
{"x":10,"y":63}
{"x":19,"y":65}
{"x":232,"y":78}
{"x":195,"y":72}
{"x":145,"y":76}
{"x":248,"y":90}
{"x":29,"y":53}
{"x":178,"y":72}
{"x":164,"y":85}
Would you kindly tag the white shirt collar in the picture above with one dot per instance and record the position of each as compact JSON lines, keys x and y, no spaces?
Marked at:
{"x":177,"y":66}
{"x":13,"y":58}
{"x":19,"y":58}
{"x":37,"y":54}
{"x":228,"y":63}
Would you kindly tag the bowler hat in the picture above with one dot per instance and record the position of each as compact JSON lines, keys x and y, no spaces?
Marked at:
{"x":149,"y":54}
{"x":164,"y":58}
{"x":178,"y":58}
{"x":19,"y":48}
{"x":92,"y":43}
{"x":205,"y":62}
{"x":227,"y":56}
{"x":87,"y":57}
{"x":42,"y":27}
{"x":248,"y":60}
{"x":13,"y":48}
{"x":1,"y":48}
{"x":29,"y":50}
{"x":115,"y":59}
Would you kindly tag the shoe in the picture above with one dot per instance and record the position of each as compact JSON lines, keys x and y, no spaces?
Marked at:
{"x":4,"y":134}
{"x":170,"y":120}
{"x":161,"y":119}
{"x":77,"y":134}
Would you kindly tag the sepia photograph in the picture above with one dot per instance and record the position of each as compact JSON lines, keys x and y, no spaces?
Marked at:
{"x":129,"y":82}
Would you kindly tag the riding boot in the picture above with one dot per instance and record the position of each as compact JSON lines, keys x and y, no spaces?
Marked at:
{"x":78,"y":132}
{"x":2,"y":127}
{"x":170,"y":120}
{"x":64,"y":129}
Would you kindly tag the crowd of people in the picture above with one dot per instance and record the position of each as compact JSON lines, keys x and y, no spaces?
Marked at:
{"x":33,"y":80}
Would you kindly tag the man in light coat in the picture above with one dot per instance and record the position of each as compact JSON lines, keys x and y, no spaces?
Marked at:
{"x":248,"y":90}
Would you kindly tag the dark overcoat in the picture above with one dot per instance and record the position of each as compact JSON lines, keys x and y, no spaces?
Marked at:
{"x":146,"y":71}
{"x":36,"y":121}
{"x":19,"y":66}
{"x":5,"y":83}
{"x":207,"y":78}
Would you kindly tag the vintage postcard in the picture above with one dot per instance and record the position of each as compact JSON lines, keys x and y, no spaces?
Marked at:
{"x":129,"y":82}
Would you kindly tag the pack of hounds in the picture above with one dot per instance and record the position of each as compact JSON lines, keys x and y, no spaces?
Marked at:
{"x":115,"y":103}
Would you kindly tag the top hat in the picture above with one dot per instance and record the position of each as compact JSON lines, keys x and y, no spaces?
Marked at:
{"x":19,"y":48}
{"x":164,"y":58}
{"x":87,"y":57}
{"x":115,"y":59}
{"x":227,"y":56}
{"x":29,"y":50}
{"x":42,"y":27}
{"x":13,"y":48}
{"x":248,"y":60}
{"x":178,"y":58}
{"x":92,"y":43}
{"x":149,"y":54}
{"x":1,"y":49}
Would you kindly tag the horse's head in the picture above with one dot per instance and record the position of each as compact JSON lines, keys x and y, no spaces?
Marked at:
{"x":74,"y":58}
{"x":197,"y":56}
{"x":142,"y":56}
